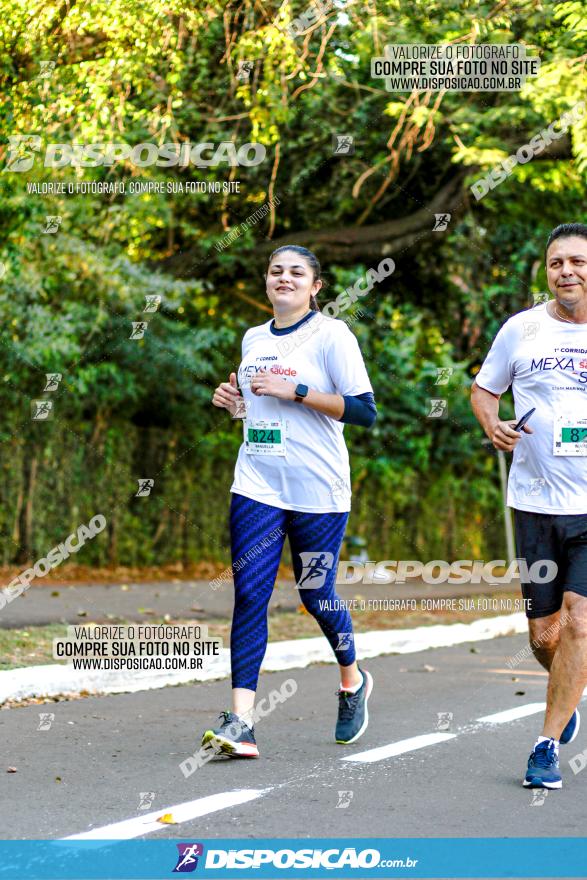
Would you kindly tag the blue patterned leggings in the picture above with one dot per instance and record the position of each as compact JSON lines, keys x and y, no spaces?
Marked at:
{"x":258,"y":533}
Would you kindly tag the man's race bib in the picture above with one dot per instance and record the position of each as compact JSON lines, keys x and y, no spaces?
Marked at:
{"x":264,"y":437}
{"x":570,"y":435}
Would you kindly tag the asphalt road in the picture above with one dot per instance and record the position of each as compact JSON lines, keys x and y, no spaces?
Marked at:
{"x":186,"y":599}
{"x":88,"y":770}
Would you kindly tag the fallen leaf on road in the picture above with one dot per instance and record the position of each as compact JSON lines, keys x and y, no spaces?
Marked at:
{"x":12,"y":770}
{"x":167,"y":819}
{"x":55,"y":592}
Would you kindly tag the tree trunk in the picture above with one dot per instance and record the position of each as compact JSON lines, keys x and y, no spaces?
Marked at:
{"x":24,"y":528}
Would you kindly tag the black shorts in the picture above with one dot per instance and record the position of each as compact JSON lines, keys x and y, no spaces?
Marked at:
{"x":562,"y":539}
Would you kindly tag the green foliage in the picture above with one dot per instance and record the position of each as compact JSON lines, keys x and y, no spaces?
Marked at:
{"x":131,"y":71}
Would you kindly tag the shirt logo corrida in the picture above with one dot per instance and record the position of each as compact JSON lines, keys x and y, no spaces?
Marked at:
{"x":187,"y":860}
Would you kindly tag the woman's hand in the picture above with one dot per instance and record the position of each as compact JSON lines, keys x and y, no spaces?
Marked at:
{"x":273,"y":386}
{"x":228,"y":396}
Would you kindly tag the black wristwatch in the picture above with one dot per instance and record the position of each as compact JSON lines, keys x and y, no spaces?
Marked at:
{"x":301,"y":393}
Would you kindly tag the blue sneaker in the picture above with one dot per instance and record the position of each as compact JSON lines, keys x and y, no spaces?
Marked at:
{"x":233,"y":738}
{"x":543,"y":769}
{"x":353,"y":716}
{"x":572,"y":729}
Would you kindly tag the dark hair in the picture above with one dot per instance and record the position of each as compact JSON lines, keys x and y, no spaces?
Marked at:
{"x":311,"y":258}
{"x":565,"y":230}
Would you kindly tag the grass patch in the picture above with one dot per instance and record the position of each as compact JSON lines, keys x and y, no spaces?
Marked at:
{"x":33,"y":646}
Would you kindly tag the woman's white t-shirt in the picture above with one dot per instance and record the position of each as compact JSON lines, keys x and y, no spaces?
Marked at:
{"x":305,"y":467}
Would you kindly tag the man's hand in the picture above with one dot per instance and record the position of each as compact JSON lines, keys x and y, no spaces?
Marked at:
{"x":505,"y":438}
{"x":273,"y":386}
{"x":228,"y":396}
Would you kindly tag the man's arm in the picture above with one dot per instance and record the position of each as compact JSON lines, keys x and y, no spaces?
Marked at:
{"x":485,"y":406}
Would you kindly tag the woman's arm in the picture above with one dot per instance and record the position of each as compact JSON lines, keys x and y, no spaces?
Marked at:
{"x":351,"y":410}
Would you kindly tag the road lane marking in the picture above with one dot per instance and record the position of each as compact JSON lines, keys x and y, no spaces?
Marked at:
{"x":399,"y":748}
{"x":139,"y":825}
{"x":513,"y":714}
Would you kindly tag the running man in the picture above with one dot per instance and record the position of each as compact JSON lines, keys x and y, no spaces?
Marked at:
{"x":302,"y":378}
{"x":542,"y":354}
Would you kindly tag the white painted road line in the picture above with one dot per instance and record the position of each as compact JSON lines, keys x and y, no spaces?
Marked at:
{"x":398,"y":748}
{"x":512,"y":714}
{"x":146,"y":824}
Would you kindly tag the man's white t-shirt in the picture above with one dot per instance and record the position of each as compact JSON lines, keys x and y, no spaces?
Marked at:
{"x":545,"y":362}
{"x":313,"y":475}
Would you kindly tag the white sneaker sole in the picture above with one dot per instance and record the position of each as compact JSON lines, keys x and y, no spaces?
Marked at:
{"x":527,"y":784}
{"x":224,"y":746}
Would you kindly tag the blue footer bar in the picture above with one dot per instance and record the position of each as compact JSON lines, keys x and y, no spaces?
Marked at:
{"x":362,"y":858}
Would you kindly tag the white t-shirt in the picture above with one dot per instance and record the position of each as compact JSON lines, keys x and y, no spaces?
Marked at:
{"x":313,"y":475}
{"x":545,"y":362}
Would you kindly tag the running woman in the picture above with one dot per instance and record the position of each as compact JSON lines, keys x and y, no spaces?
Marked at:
{"x":542,"y":354}
{"x":302,"y":378}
